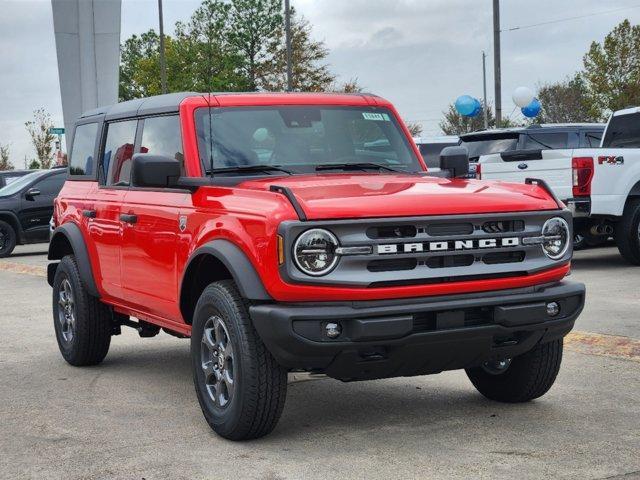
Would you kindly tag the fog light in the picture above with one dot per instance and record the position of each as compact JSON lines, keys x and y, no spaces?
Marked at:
{"x":333,"y":330}
{"x":553,"y":309}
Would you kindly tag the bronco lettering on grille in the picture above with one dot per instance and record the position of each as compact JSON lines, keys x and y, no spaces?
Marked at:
{"x":450,"y":245}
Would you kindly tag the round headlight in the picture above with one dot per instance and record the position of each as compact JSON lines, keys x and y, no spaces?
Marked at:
{"x":556,"y":237}
{"x":314,"y":252}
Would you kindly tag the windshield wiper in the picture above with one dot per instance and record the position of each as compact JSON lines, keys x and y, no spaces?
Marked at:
{"x":250,"y":168}
{"x":355,"y":166}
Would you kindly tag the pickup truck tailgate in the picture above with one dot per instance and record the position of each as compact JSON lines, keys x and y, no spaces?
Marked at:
{"x":552,"y":166}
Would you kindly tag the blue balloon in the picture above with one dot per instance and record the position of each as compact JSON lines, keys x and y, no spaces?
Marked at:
{"x":468,"y":106}
{"x":532,"y":109}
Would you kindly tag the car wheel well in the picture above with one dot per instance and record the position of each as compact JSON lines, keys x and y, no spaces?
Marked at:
{"x":60,"y":247}
{"x":11,"y":221}
{"x":634,"y":192}
{"x":202,"y":271}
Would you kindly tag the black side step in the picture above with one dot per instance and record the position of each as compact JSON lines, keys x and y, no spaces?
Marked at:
{"x":292,"y":199}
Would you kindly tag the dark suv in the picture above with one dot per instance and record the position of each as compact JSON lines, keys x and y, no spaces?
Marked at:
{"x":10,"y":176}
{"x":26,"y":206}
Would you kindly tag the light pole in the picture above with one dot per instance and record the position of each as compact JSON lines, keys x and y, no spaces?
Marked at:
{"x":287,"y":29}
{"x":163,"y":65}
{"x":484,"y":91}
{"x":496,"y":61}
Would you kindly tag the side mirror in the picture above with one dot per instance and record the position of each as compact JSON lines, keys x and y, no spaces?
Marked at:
{"x":455,"y":160}
{"x":154,"y":171}
{"x":32,"y":193}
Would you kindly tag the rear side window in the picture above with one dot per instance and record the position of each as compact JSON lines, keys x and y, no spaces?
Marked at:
{"x":84,"y":142}
{"x":545,"y":141}
{"x":591,"y":139}
{"x":623,"y":131}
{"x":161,"y":136}
{"x":118,"y":150}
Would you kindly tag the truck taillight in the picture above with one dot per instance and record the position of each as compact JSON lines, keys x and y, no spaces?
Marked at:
{"x":582,"y":168}
{"x":478,"y":171}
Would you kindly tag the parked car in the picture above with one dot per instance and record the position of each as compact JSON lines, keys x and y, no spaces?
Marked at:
{"x":554,"y":136}
{"x":26,"y":205}
{"x":298,"y":232}
{"x":600,"y":184}
{"x":430,"y":148}
{"x":9,"y":176}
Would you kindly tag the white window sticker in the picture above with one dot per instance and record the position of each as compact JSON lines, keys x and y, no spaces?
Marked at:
{"x":375,"y":116}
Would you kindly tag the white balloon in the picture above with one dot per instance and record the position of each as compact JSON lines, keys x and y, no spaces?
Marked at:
{"x":523,"y":96}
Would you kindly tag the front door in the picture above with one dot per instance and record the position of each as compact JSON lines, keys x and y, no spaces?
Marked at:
{"x":37,"y":207}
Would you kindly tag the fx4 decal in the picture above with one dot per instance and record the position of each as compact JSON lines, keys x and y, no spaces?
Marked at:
{"x":611,"y":160}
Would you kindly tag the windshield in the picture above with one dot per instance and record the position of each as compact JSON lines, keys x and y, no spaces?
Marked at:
{"x":487,"y":145}
{"x":299,"y":139}
{"x":20,"y":183}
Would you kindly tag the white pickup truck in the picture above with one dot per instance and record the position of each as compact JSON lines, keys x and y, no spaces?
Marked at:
{"x":600,"y":185}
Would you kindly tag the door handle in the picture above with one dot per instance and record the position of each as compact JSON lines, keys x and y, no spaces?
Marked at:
{"x":89,"y":213}
{"x":128,"y":218}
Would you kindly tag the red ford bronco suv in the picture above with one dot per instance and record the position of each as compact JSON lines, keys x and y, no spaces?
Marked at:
{"x":301,"y":232}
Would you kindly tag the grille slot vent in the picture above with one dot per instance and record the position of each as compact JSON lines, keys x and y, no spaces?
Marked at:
{"x":495,"y":258}
{"x":392,"y":231}
{"x":447,"y":229}
{"x":450,"y":261}
{"x":503,"y":226}
{"x":392,"y":265}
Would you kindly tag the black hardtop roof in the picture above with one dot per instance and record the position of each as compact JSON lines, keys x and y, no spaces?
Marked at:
{"x":167,"y":103}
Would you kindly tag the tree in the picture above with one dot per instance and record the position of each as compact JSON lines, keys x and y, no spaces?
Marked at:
{"x":415,"y":128}
{"x":5,"y":163}
{"x":34,"y":164}
{"x":455,"y":124}
{"x":612,"y":70}
{"x":309,"y":74}
{"x":565,"y":102}
{"x":42,"y":140}
{"x":252,"y":24}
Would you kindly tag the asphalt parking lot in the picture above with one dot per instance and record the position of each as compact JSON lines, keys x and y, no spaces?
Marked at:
{"x":136,"y":416}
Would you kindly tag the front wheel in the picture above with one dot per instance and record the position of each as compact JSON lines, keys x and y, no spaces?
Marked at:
{"x":240,"y":386}
{"x":7,"y":239}
{"x":522,"y":378}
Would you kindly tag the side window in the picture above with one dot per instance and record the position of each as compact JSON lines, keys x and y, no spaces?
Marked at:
{"x":591,"y":139}
{"x":161,"y":136}
{"x":84,"y":141}
{"x":623,"y":131}
{"x":50,"y":186}
{"x":118,"y":150}
{"x":545,"y":141}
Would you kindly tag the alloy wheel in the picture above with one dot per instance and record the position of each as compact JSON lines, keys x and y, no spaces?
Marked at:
{"x":66,"y":311}
{"x":217,"y":361}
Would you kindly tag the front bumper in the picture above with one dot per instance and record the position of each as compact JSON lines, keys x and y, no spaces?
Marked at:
{"x":416,"y":336}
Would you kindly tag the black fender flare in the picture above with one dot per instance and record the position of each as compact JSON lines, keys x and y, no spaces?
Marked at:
{"x":237,"y":263}
{"x":72,"y":234}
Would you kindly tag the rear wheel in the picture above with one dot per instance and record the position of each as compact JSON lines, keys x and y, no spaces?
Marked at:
{"x":7,"y":239}
{"x":522,"y":378}
{"x":240,"y":386}
{"x":83,"y":324}
{"x":628,"y":232}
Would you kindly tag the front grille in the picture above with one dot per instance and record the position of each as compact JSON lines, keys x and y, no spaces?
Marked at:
{"x":427,"y":250}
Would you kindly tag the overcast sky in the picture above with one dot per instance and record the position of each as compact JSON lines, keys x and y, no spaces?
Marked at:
{"x":420,"y":54}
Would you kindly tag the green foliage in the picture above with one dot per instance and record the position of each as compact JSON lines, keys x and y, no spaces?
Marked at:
{"x":34,"y":165}
{"x":414,"y":128}
{"x":5,"y":162}
{"x":42,"y":140}
{"x":565,"y":102}
{"x":234,"y":45}
{"x":612,"y":70}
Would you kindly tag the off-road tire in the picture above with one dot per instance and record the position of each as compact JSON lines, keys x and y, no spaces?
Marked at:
{"x":528,"y":376}
{"x":9,"y":239}
{"x":259,"y":383}
{"x":628,"y":232}
{"x":92,"y":323}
